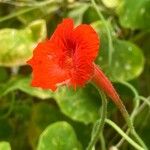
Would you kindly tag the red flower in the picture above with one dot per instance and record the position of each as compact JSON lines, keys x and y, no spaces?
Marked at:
{"x":68,"y":58}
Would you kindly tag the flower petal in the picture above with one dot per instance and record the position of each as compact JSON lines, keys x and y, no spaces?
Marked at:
{"x":46,"y":70}
{"x":87,"y":41}
{"x":62,"y":33}
{"x":87,"y":44}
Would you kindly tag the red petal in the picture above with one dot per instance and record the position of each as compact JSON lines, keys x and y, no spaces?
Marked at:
{"x":62,"y":32}
{"x":46,"y":71}
{"x":87,"y":44}
{"x":87,"y":41}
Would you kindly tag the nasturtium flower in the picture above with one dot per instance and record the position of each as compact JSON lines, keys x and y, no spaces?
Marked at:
{"x":67,"y":58}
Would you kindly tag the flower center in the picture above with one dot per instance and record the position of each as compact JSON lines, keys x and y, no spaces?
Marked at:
{"x":66,"y":61}
{"x":70,"y":47}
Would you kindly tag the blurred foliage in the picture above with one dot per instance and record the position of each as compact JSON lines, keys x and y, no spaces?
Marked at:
{"x":17,"y":45}
{"x":32,"y":118}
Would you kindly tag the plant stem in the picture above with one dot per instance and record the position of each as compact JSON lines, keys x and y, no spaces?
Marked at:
{"x":110,"y":44}
{"x":100,"y":124}
{"x":146,"y":100}
{"x":138,"y":138}
{"x":130,"y":125}
{"x":102,"y":140}
{"x":134,"y":144}
{"x":136,"y":98}
{"x":136,"y":105}
{"x":130,"y":120}
{"x":136,"y":113}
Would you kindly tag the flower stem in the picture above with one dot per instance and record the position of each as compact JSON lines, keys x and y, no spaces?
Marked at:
{"x":134,"y":144}
{"x":136,"y":98}
{"x":103,"y":83}
{"x":100,"y":123}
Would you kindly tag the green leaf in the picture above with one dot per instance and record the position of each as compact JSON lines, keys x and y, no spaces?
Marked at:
{"x":17,"y":45}
{"x":135,"y":14}
{"x":5,"y":146}
{"x":127,"y":59}
{"x":79,"y":105}
{"x":23,"y":84}
{"x":124,"y":64}
{"x":58,"y":136}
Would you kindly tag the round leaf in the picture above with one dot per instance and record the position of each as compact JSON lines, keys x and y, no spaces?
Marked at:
{"x":23,"y":84}
{"x":127,"y":59}
{"x":135,"y":14}
{"x":80,"y":105}
{"x":58,"y":136}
